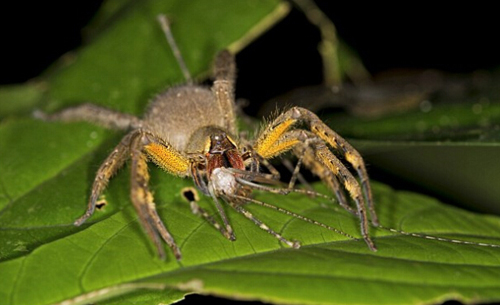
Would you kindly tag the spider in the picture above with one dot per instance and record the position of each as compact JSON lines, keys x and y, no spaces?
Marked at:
{"x":191,"y":131}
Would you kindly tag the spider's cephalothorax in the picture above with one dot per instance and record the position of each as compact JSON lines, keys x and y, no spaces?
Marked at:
{"x":190,"y":131}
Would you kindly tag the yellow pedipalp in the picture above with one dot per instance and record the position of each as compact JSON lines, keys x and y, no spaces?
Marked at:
{"x":266,"y":142}
{"x":279,"y":148}
{"x":168,"y":159}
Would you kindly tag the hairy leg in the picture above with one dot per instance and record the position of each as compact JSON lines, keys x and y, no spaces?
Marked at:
{"x":92,"y":113}
{"x":108,"y":168}
{"x":223,"y":87}
{"x":271,"y":142}
{"x":143,"y":200}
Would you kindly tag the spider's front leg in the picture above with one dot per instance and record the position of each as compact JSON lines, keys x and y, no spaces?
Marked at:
{"x":277,"y":138}
{"x":340,"y":145}
{"x":306,"y":154}
{"x":320,"y":156}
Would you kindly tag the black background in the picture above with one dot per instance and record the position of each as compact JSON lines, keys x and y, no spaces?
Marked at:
{"x":456,"y":38}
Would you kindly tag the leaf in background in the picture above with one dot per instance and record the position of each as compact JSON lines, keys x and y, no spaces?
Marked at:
{"x":19,"y":99}
{"x":47,"y":170}
{"x":449,"y":146}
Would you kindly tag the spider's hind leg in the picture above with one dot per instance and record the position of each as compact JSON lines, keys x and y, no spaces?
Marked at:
{"x":92,"y":113}
{"x":271,"y":142}
{"x":321,"y":161}
{"x":282,"y":134}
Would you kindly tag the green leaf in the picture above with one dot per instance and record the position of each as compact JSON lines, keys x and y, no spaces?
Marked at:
{"x":450,"y":147}
{"x":130,"y":59}
{"x":19,"y":99}
{"x":328,"y":269}
{"x":47,"y":170}
{"x":468,"y":122}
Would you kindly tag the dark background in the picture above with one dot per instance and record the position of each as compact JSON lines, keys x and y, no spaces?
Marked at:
{"x":456,"y":38}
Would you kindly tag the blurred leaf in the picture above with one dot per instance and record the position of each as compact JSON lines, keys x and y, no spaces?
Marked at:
{"x":449,"y":148}
{"x":449,"y":124}
{"x":130,"y":60}
{"x":18,"y":99}
{"x":340,"y":62}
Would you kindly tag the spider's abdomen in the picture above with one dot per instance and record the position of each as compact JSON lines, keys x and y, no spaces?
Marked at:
{"x":176,"y":114}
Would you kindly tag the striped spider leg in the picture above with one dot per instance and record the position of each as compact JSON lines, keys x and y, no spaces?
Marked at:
{"x":317,"y":141}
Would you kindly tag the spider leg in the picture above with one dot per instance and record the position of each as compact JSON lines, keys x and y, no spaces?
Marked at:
{"x":306,"y":157}
{"x":227,"y":231}
{"x":199,"y":179}
{"x":197,"y":210}
{"x":92,"y":113}
{"x":350,"y":183}
{"x":235,"y":202}
{"x":343,"y":147}
{"x":142,"y":198}
{"x":306,"y":153}
{"x":295,"y":170}
{"x":270,"y":143}
{"x":252,"y":176}
{"x":172,"y":161}
{"x":324,"y":163}
{"x":276,"y":139}
{"x":295,"y":215}
{"x":275,"y":174}
{"x":164,"y":23}
{"x":223,"y":88}
{"x":108,"y":168}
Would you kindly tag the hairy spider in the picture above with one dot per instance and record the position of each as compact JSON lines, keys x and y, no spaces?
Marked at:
{"x":190,"y":131}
